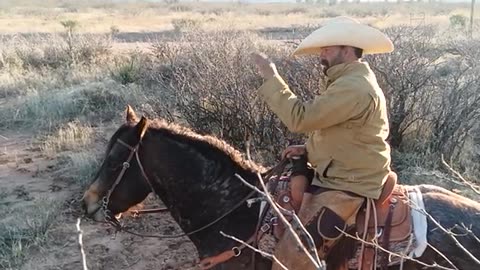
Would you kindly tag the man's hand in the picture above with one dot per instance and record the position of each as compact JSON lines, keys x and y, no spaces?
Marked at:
{"x":294,"y":150}
{"x":265,"y":67}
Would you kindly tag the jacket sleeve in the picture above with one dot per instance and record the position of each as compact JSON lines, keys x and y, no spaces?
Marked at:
{"x":343,"y":100}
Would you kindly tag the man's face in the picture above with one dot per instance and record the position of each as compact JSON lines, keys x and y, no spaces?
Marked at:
{"x":331,"y":56}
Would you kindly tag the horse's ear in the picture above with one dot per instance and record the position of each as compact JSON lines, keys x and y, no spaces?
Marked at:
{"x":131,"y":116}
{"x":142,"y":127}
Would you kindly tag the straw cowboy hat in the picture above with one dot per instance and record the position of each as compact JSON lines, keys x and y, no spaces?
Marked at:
{"x":348,"y":32}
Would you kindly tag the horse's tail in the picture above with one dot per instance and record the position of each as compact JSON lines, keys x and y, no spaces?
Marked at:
{"x":460,"y":219}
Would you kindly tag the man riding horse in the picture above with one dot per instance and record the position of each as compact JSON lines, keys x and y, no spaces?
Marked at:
{"x":347,"y":126}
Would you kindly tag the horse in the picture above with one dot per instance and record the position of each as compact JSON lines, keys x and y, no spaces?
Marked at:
{"x":194,"y":175}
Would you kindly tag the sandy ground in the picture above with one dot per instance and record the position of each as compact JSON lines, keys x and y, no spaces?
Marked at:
{"x":27,"y":176}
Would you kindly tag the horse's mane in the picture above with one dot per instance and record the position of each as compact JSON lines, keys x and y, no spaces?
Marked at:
{"x":162,"y":126}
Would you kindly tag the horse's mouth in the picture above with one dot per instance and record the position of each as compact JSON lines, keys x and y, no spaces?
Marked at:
{"x":92,"y":205}
{"x":94,"y":211}
{"x":98,"y":215}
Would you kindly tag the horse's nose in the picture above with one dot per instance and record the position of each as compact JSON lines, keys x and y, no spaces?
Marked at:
{"x":90,"y":201}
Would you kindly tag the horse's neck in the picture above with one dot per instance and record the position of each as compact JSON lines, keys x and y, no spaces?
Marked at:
{"x":199,"y":189}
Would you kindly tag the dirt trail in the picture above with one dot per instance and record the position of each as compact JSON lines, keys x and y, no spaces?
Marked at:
{"x":27,"y":177}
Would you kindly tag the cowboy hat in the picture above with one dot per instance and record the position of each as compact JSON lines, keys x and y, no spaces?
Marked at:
{"x":347,"y":32}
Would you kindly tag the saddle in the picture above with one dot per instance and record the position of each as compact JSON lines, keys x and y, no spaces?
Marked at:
{"x":388,"y":220}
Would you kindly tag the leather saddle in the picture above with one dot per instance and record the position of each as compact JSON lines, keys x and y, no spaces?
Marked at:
{"x":390,"y":221}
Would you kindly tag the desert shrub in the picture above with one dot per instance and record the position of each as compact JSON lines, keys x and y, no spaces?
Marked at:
{"x":214,"y":84}
{"x":53,"y":51}
{"x":263,"y":12}
{"x":37,"y":63}
{"x":180,"y":8}
{"x":183,"y":25}
{"x":431,"y":84}
{"x":328,"y":13}
{"x":405,"y":77}
{"x":458,"y":21}
{"x":92,"y":102}
{"x":92,"y":49}
{"x":126,"y":69}
{"x":297,"y":10}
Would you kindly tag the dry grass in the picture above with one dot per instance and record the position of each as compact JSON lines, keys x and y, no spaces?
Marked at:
{"x":94,"y":17}
{"x":73,"y":136}
{"x":25,"y":229}
{"x":79,"y":168}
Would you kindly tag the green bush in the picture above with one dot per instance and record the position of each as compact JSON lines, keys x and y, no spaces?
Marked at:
{"x":125,"y":71}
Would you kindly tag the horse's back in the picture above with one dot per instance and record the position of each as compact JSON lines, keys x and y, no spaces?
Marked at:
{"x":456,"y":214}
{"x":437,"y":189}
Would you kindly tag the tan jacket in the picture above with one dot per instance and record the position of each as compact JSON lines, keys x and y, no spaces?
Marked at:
{"x":348,"y":127}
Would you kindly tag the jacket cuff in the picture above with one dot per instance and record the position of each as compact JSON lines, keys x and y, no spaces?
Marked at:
{"x":272,"y":87}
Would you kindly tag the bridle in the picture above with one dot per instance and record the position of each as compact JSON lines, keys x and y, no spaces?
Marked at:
{"x":206,"y":263}
{"x":125,"y":166}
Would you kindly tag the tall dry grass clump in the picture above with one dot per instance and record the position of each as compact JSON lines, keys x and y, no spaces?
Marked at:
{"x":39,"y":62}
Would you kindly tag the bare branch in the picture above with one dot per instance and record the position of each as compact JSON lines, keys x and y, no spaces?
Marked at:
{"x":255,"y":249}
{"x":316,"y":261}
{"x":469,"y":232}
{"x":80,"y":242}
{"x":442,"y":255}
{"x":405,"y":257}
{"x":449,"y":233}
{"x":475,"y":188}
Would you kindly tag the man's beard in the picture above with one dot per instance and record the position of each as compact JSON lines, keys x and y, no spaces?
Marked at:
{"x":326,"y":65}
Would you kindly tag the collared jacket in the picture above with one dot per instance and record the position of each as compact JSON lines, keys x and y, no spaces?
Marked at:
{"x":347,"y":126}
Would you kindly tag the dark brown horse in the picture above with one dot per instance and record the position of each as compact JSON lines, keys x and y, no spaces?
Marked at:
{"x":194,"y":177}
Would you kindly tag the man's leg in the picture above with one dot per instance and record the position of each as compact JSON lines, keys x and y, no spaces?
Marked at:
{"x":300,"y":179}
{"x":342,"y":209}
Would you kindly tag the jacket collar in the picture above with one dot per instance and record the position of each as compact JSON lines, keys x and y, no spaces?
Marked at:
{"x":336,"y":71}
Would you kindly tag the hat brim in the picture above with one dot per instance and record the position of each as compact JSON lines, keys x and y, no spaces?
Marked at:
{"x":370,"y":39}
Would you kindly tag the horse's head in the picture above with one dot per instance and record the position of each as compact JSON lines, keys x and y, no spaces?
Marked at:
{"x":119,"y":184}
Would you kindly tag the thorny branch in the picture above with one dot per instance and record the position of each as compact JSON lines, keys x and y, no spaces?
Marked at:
{"x":474,"y":187}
